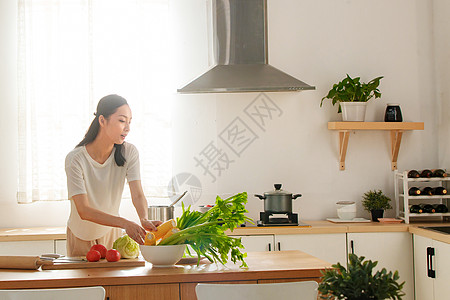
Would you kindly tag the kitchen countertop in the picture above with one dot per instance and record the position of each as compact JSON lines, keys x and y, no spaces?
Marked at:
{"x":317,"y":227}
{"x":322,"y":227}
{"x":32,"y":234}
{"x":262,"y":266}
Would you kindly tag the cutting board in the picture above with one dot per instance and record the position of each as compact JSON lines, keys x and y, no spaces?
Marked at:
{"x":102,"y":263}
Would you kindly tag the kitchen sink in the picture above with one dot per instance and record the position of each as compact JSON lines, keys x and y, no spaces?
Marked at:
{"x":441,"y":229}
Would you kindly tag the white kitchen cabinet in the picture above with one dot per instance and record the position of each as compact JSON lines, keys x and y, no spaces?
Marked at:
{"x":431,"y":269}
{"x":26,"y":247}
{"x":442,"y":280}
{"x":328,"y":247}
{"x":60,"y":247}
{"x":257,"y":242}
{"x":392,"y":250}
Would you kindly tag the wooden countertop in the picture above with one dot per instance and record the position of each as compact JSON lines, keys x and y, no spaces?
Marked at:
{"x":32,"y":234}
{"x":322,"y":227}
{"x":317,"y":227}
{"x":445,"y":238}
{"x":262,"y":265}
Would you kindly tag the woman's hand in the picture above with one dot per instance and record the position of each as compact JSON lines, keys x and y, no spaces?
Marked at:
{"x":135,"y":232}
{"x":150,"y":225}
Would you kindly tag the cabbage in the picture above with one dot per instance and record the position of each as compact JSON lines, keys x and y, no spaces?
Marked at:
{"x":127,"y":247}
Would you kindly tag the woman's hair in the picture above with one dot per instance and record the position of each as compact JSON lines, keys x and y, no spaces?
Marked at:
{"x":106,"y":107}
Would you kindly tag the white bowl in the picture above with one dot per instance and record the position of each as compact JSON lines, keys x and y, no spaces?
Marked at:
{"x":346,"y":210}
{"x":346,"y":215}
{"x":163,"y":256}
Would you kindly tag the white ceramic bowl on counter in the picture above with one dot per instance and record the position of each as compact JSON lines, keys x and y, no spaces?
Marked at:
{"x":163,"y":256}
{"x":346,"y":210}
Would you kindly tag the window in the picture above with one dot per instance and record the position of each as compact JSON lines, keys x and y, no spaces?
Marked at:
{"x":72,"y":53}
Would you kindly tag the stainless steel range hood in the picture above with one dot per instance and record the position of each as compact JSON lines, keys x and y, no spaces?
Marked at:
{"x":240,"y":53}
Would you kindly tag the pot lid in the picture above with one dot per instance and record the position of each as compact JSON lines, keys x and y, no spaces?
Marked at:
{"x":278,"y":191}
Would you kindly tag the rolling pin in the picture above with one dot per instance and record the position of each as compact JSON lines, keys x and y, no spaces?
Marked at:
{"x":22,"y":262}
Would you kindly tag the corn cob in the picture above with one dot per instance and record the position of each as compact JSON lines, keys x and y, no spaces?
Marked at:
{"x":169,"y":233}
{"x":150,"y":239}
{"x":164,"y":228}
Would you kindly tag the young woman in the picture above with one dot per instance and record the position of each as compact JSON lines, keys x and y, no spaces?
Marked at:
{"x":96,"y":171}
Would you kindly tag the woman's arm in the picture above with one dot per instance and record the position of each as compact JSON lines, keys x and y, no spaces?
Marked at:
{"x":88,"y":213}
{"x":141,"y":205}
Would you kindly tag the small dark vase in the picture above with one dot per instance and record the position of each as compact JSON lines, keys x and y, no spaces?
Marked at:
{"x":377,"y":213}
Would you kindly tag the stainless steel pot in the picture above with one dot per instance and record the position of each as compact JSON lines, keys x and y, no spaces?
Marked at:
{"x":161,"y":213}
{"x":278,"y":201}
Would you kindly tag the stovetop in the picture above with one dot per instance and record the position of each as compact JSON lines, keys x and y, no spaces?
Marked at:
{"x":260,"y":223}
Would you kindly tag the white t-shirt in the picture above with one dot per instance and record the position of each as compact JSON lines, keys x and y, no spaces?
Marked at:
{"x":103,"y":184}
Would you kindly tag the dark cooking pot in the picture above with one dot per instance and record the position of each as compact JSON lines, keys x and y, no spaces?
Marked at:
{"x":278,"y":201}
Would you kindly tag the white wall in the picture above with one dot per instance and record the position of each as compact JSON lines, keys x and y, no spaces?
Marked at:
{"x":441,"y":28}
{"x":317,"y":42}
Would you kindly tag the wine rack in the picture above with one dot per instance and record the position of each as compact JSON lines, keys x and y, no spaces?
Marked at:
{"x":403,"y":200}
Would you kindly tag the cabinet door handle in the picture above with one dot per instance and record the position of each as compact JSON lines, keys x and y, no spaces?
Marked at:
{"x":279,"y":246}
{"x":270,"y":247}
{"x":430,"y":272}
{"x":352,"y":247}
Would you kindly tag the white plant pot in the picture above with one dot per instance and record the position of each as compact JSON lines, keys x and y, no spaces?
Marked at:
{"x":353,"y":111}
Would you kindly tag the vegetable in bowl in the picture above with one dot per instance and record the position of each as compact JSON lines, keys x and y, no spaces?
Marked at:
{"x":205,"y":232}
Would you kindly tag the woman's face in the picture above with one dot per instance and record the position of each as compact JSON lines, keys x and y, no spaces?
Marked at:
{"x":117,"y":126}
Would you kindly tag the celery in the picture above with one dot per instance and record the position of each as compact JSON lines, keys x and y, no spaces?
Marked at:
{"x":205,"y":232}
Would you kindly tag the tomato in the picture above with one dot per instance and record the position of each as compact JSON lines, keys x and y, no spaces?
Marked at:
{"x":101,"y":249}
{"x":93,"y":255}
{"x":112,"y":255}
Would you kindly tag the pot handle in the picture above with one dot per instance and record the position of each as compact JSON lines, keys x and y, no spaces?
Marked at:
{"x":260,"y":197}
{"x":296,"y":196}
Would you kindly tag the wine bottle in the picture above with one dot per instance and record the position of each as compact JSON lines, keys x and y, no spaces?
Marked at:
{"x":439,"y":173}
{"x":427,"y":191}
{"x":413,"y":174}
{"x":440,"y":208}
{"x":428,"y":208}
{"x":415,"y":209}
{"x":426,"y":173}
{"x":439,"y":191}
{"x":414,"y":191}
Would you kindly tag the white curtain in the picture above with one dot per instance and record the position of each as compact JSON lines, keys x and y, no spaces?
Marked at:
{"x":71,"y":54}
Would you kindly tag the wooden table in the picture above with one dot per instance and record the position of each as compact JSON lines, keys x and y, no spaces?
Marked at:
{"x":177,"y":282}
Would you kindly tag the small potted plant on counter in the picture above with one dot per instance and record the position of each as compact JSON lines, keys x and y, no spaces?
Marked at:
{"x":358,"y":283}
{"x":352,"y":95}
{"x":376,"y":202}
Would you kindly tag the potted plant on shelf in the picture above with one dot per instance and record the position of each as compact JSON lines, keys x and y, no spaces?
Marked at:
{"x":358,"y":283}
{"x":352,"y":95}
{"x":376,"y":202}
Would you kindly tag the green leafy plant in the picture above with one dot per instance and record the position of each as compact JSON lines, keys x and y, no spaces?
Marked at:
{"x":375,"y":200}
{"x":358,"y":283}
{"x":353,"y":90}
{"x":205,"y":232}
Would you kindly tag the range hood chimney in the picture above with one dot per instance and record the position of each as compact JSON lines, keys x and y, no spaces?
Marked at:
{"x":240,"y":53}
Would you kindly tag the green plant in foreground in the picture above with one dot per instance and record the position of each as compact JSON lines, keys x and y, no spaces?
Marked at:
{"x":358,"y":283}
{"x":205,"y":232}
{"x":375,"y":200}
{"x":352,"y":90}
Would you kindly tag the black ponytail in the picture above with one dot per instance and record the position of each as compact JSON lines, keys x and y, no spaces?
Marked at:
{"x":106,"y":107}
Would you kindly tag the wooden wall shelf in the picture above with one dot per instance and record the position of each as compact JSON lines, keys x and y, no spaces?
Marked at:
{"x":396,"y":131}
